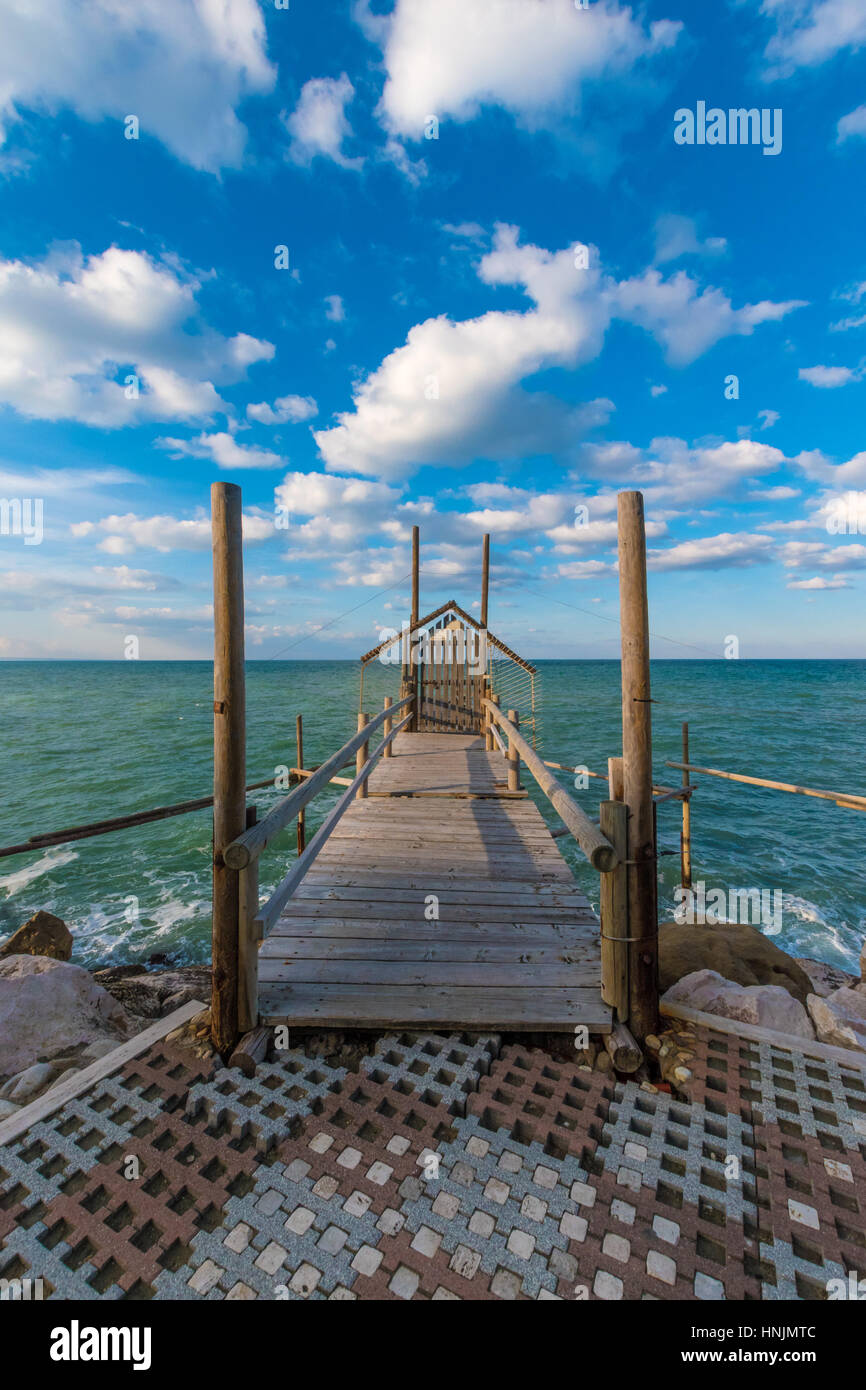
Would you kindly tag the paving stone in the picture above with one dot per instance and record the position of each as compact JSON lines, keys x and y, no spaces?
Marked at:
{"x":445,"y":1169}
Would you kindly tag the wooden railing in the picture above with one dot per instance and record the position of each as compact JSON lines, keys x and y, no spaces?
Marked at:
{"x":605,"y":844}
{"x":596,"y":846}
{"x":244,"y":852}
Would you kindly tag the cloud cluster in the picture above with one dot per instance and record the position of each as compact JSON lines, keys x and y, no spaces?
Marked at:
{"x":319,"y":125}
{"x":122,"y":535}
{"x":111,"y":340}
{"x":181,"y":66}
{"x":809,"y":32}
{"x":449,"y":58}
{"x":453,"y":392}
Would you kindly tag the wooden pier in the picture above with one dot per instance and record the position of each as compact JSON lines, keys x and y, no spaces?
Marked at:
{"x":434,"y":894}
{"x":439,"y":901}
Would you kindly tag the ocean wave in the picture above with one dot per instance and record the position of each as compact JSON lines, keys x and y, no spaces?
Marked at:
{"x":803,"y":909}
{"x":52,"y":859}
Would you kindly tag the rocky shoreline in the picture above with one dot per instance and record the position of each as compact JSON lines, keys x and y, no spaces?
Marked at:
{"x":57,"y":1018}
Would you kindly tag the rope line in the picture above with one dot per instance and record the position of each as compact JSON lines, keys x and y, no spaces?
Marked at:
{"x":339,"y":618}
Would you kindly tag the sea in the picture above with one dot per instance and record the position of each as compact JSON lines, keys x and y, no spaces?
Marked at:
{"x":83,"y":741}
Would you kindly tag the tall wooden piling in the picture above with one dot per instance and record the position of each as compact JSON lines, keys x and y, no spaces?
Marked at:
{"x":409,"y":675}
{"x":686,"y":833}
{"x":229,"y":806}
{"x":637,"y":765}
{"x":613,"y":820}
{"x":249,"y":938}
{"x":485,"y":578}
{"x":416,"y":574}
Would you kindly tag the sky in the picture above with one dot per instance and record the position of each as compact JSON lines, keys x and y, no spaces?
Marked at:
{"x":474,"y":265}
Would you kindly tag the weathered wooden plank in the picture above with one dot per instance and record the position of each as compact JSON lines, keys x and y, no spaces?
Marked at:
{"x":515,"y":943}
{"x":328,"y":883}
{"x":581,"y":973}
{"x":350,"y":948}
{"x":517,"y":1008}
{"x":396,"y":911}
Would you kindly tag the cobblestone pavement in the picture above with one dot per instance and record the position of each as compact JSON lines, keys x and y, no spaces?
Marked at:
{"x":446,"y":1167}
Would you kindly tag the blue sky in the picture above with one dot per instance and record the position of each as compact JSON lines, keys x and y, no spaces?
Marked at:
{"x":507,"y":291}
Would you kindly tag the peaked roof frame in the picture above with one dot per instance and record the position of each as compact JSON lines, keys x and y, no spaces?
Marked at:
{"x":453,"y":607}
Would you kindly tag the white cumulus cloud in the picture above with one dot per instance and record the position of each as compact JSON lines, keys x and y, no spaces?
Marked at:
{"x":449,"y":58}
{"x":319,"y":124}
{"x":104,"y":340}
{"x":181,"y":67}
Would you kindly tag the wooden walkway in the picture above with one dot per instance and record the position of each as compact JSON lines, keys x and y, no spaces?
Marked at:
{"x":515,"y":944}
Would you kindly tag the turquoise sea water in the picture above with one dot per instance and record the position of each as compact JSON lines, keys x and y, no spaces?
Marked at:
{"x":83,"y":741}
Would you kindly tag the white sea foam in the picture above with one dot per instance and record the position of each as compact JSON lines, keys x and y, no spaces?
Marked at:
{"x":803,"y":909}
{"x":52,"y":859}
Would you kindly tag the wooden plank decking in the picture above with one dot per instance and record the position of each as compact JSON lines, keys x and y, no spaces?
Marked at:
{"x":515,"y":946}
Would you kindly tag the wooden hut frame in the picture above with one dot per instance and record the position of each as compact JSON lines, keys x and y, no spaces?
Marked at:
{"x":448,"y":660}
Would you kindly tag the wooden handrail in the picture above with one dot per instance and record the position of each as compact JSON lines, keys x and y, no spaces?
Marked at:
{"x":253,"y":841}
{"x":127,"y":822}
{"x":597,"y":848}
{"x":848,"y":799}
{"x":270,"y":911}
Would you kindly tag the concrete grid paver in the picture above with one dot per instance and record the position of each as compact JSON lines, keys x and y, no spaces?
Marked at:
{"x":445,"y":1168}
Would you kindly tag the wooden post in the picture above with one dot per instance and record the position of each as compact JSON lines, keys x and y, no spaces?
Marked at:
{"x":493,"y":744}
{"x":485,"y":578}
{"x":613,"y":822}
{"x":614,"y":778}
{"x":248,"y":939}
{"x":637,"y":766}
{"x":362,"y":755}
{"x":513,"y":756}
{"x":686,"y":834}
{"x":229,"y":763}
{"x":387,"y":727}
{"x":302,"y":818}
{"x":409,"y":682}
{"x":487,"y":694}
{"x":415,"y":574}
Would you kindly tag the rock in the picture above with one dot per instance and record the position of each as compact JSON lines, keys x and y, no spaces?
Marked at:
{"x":737,"y":952}
{"x":50,"y":1007}
{"x":62,"y":1076}
{"x":177,"y":1000}
{"x":194,"y":1036}
{"x":7,"y":1108}
{"x":42,"y":935}
{"x":863,"y":963}
{"x":764,"y":1006}
{"x":145,"y":992}
{"x":28,"y":1083}
{"x":101,"y":1048}
{"x":840,"y":1018}
{"x":825,"y":978}
{"x":109,"y":973}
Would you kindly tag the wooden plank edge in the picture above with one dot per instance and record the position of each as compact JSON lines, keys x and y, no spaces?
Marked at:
{"x":434,"y":1024}
{"x":81,"y":1081}
{"x":749,"y":1032}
